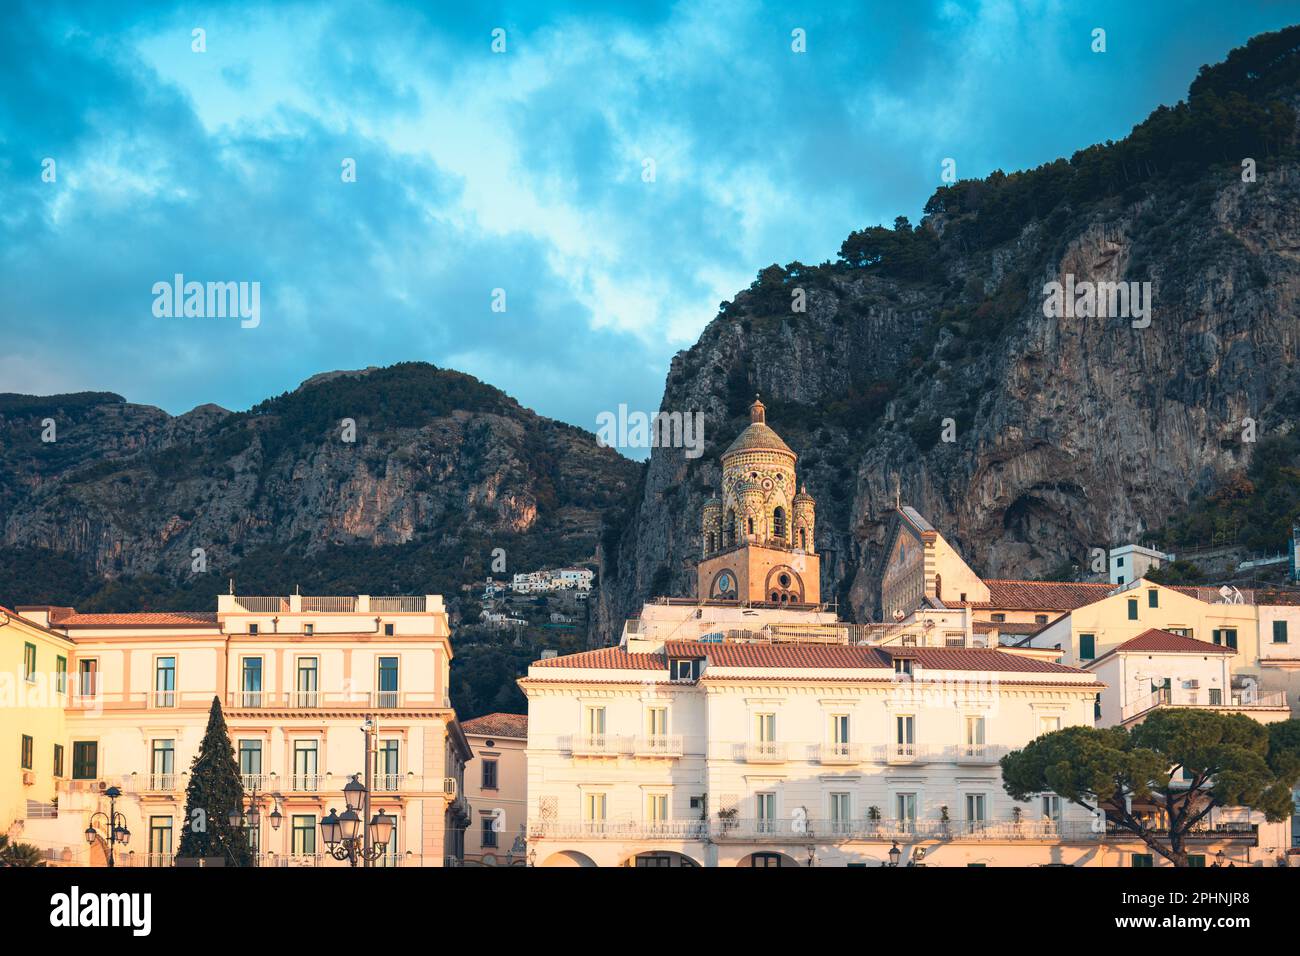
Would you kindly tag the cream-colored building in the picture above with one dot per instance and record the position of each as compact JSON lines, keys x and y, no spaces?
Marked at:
{"x":1279,"y":644}
{"x":921,"y":569}
{"x":33,"y":738}
{"x":1088,"y":632}
{"x":496,"y":783}
{"x":296,"y":677}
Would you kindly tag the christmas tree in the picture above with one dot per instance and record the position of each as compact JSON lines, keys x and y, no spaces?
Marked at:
{"x":214,"y":790}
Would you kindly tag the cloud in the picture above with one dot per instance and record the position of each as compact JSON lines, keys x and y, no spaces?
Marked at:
{"x":521,"y":171}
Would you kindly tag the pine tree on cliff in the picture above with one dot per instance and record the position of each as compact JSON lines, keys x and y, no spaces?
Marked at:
{"x":215,"y":788}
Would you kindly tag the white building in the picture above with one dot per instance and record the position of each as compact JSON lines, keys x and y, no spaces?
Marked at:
{"x":754,"y":754}
{"x":1161,"y":669}
{"x":1132,"y":561}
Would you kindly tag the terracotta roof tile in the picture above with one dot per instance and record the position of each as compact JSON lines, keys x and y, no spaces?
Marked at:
{"x":1011,"y":595}
{"x":607,"y":658}
{"x":1007,"y":627}
{"x":781,"y":655}
{"x":138,"y":618}
{"x":497,"y":725}
{"x":1277,"y":597}
{"x":1169,"y":643}
{"x":843,"y":656}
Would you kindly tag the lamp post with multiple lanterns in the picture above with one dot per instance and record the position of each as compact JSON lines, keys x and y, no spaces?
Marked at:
{"x":114,"y":824}
{"x":250,"y":819}
{"x":354,"y":834}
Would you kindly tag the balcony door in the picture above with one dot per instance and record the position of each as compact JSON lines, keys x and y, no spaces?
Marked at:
{"x":974,"y":736}
{"x":250,"y":682}
{"x":308,"y":682}
{"x":905,"y":735}
{"x":905,"y":811}
{"x":840,"y":734}
{"x":165,"y":682}
{"x":387,"y":682}
{"x":306,"y":764}
{"x":163,"y":771}
{"x":765,"y":812}
{"x":386,"y":765}
{"x":250,"y":763}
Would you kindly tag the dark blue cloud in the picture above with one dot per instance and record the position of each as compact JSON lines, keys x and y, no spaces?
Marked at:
{"x":523,"y":172}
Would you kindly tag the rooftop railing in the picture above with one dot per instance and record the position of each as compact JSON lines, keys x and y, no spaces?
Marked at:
{"x":808,"y":830}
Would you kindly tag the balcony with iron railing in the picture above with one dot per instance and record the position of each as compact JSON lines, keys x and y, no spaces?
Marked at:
{"x":316,"y":700}
{"x":596,"y":745}
{"x":896,"y":753}
{"x":327,"y":604}
{"x":807,"y":830}
{"x":763,"y":751}
{"x":621,"y":830}
{"x":657,"y":745}
{"x":837,"y":754}
{"x":979,"y":754}
{"x":1238,"y":701}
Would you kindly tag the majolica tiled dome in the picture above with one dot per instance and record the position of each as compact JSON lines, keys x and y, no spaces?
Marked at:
{"x":757,"y":436}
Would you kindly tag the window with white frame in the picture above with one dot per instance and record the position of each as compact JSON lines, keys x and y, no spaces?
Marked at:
{"x":656,"y":808}
{"x":975,"y":808}
{"x":905,"y":808}
{"x":593,"y":809}
{"x":656,"y":721}
{"x":974,"y":739}
{"x":841,"y":817}
{"x":1051,"y":806}
{"x":765,"y":812}
{"x":905,"y":734}
{"x":594,"y":723}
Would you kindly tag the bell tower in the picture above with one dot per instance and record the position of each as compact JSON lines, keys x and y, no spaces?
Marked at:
{"x":758,"y":538}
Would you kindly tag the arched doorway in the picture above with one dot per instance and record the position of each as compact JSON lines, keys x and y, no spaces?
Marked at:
{"x":767,"y":859}
{"x":568,"y":858}
{"x":659,"y":858}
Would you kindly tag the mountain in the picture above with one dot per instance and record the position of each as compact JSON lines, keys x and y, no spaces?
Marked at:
{"x":1069,"y":433}
{"x":442,"y":470}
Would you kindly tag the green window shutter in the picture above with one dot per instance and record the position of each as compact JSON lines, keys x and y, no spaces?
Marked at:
{"x":1218,"y":636}
{"x":1196,"y":859}
{"x":1153,"y":598}
{"x":1230,"y":635}
{"x":1279,"y":632}
{"x":1132,"y":609}
{"x":1087,"y":647}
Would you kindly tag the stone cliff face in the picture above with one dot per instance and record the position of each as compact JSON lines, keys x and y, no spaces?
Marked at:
{"x":1069,"y":433}
{"x":438,"y":461}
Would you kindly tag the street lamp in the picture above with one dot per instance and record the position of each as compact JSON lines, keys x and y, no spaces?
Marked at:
{"x":894,"y":854}
{"x":345,"y":840}
{"x":113,"y":824}
{"x":250,"y":818}
{"x":354,"y":834}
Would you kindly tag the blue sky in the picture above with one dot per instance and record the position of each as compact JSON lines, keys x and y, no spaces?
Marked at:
{"x":519,"y":170}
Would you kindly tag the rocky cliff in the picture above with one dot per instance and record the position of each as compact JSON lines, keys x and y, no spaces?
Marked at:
{"x":925,"y":365}
{"x":377,"y":480}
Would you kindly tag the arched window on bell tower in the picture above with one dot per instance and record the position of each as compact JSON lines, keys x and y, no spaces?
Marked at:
{"x":751,"y":527}
{"x":729,"y":529}
{"x":803,"y":538}
{"x":778,"y":523}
